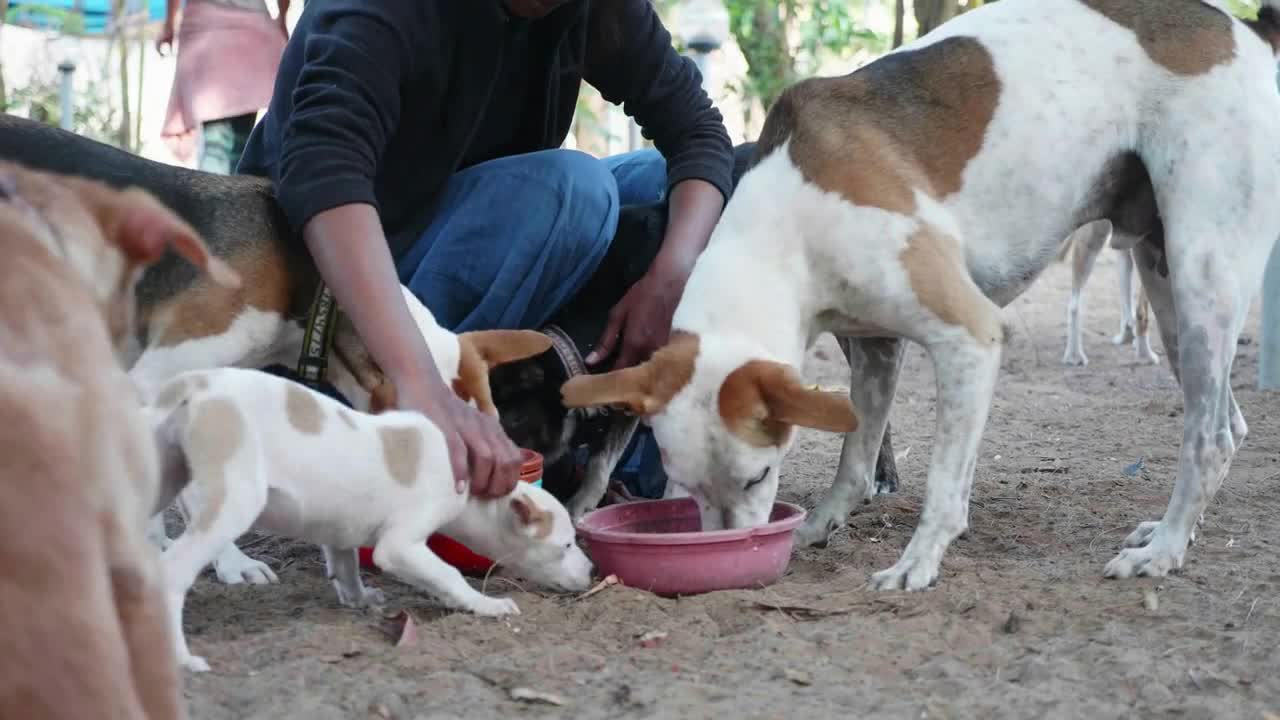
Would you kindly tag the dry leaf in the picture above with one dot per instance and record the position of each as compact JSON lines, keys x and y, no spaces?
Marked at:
{"x":652,"y":639}
{"x":524,"y":694}
{"x":402,"y":627}
{"x":803,"y":612}
{"x":600,"y":587}
{"x":797,"y":677}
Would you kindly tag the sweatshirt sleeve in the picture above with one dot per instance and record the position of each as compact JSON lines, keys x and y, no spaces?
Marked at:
{"x":631,"y":60}
{"x":346,"y":101}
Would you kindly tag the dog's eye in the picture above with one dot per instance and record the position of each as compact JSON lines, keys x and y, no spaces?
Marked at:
{"x":756,"y":481}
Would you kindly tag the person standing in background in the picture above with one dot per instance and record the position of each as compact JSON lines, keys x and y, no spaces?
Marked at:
{"x":228,"y":54}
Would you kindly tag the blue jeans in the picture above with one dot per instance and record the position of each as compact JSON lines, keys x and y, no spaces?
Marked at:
{"x":514,"y":239}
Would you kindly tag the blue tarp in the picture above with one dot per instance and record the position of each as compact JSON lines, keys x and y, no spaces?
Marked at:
{"x":32,"y":13}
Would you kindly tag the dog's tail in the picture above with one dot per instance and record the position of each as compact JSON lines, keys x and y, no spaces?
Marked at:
{"x":1267,"y":25}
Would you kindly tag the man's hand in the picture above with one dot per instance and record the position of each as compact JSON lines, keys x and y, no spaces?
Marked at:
{"x":479,"y":449}
{"x":641,"y":321}
{"x":164,"y":42}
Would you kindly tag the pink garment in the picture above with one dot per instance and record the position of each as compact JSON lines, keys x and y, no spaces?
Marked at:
{"x":227,"y":62}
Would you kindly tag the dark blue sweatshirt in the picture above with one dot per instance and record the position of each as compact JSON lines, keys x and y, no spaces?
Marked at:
{"x":381,"y":101}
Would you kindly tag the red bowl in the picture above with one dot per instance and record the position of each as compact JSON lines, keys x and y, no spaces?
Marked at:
{"x":454,"y":552}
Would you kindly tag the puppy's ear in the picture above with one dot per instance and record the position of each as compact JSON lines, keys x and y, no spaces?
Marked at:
{"x":531,"y":518}
{"x":499,"y":347}
{"x":142,"y":227}
{"x":760,"y":401}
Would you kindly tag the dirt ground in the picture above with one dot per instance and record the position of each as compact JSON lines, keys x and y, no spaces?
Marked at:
{"x":1022,"y":624}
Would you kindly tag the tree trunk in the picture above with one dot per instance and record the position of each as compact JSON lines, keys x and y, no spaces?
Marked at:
{"x":770,"y":65}
{"x":932,"y":13}
{"x":4,"y":98}
{"x":899,"y":18}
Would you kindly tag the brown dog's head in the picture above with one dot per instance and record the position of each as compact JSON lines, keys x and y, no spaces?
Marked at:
{"x":107,"y":236}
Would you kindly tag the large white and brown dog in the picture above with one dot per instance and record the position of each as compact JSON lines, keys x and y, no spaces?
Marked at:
{"x":917,"y":196}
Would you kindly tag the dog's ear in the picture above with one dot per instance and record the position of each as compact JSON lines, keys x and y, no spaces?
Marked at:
{"x":531,"y":518}
{"x":142,"y":227}
{"x":632,"y":388}
{"x":761,"y":400}
{"x":645,"y":389}
{"x":499,"y":347}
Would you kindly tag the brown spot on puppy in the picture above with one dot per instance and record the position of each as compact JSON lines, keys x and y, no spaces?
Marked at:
{"x":762,"y":401}
{"x":1186,"y":37}
{"x":402,"y":451}
{"x":304,"y":411}
{"x":940,"y":279}
{"x":532,"y":516}
{"x":911,"y":120}
{"x":644,"y":389}
{"x":221,"y":426}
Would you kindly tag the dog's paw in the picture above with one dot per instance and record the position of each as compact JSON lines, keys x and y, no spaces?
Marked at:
{"x":817,"y":531}
{"x":1146,"y":354}
{"x":195,"y":664}
{"x":909,"y":573}
{"x":1075,"y":357}
{"x":1124,"y":337}
{"x":237,"y":568}
{"x":1151,"y":561}
{"x":494,"y":607}
{"x":1142,"y":536}
{"x":367,"y":598}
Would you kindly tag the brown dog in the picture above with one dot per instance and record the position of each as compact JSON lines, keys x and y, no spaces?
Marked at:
{"x":82,"y":608}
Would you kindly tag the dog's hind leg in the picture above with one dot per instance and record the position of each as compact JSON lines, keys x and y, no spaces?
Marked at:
{"x":1211,"y":293}
{"x":227,"y":493}
{"x":601,"y":464}
{"x":1086,"y":242}
{"x":1142,"y":328}
{"x":874,"y":366}
{"x":1128,"y":315}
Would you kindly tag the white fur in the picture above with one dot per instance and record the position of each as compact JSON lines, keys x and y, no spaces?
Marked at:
{"x":335,"y":488}
{"x":788,"y":262}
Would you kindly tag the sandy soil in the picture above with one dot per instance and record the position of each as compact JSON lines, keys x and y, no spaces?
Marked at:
{"x":1022,"y":623}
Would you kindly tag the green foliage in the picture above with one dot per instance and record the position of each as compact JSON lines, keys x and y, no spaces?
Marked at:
{"x":67,"y":22}
{"x":786,"y":40}
{"x":94,"y":115}
{"x":1247,"y":9}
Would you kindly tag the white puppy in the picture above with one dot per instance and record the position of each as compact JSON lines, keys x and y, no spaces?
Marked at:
{"x":267,"y":453}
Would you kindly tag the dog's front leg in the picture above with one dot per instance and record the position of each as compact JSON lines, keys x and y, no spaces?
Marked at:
{"x":601,"y":464}
{"x":344,"y":572}
{"x":874,"y":366}
{"x":966,"y":374}
{"x":406,"y":556}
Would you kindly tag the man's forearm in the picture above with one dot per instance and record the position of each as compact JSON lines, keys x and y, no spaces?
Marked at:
{"x":695,"y":207}
{"x":352,"y":256}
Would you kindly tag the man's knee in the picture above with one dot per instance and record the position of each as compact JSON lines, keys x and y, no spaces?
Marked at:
{"x":589,"y":197}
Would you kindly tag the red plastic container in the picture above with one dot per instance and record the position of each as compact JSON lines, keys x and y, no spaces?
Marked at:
{"x":454,"y":552}
{"x":657,"y":545}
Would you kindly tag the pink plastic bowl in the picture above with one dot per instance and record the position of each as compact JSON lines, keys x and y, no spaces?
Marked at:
{"x":657,"y":546}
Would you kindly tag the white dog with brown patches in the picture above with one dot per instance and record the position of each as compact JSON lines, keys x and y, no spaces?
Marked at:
{"x":917,"y":196}
{"x":267,"y":453}
{"x":463,"y":360}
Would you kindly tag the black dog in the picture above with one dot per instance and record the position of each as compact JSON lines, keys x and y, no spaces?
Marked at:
{"x":527,"y":393}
